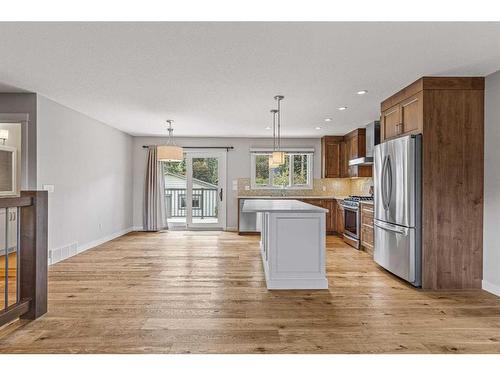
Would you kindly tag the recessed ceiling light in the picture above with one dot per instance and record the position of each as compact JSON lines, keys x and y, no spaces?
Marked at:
{"x":318,"y":128}
{"x":342,"y":108}
{"x":362,"y":92}
{"x":328,"y":119}
{"x":268,"y":128}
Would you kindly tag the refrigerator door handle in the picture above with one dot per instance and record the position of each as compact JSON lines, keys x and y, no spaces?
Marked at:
{"x":386,"y":197}
{"x":390,"y":227}
{"x":388,"y":169}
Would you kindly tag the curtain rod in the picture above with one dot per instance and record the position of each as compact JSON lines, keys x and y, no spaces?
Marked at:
{"x":227,"y":148}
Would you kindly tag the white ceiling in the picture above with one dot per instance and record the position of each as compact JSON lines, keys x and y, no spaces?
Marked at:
{"x":219,"y":79}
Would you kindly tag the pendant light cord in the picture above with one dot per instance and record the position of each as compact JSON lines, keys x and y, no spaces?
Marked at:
{"x":279,"y":98}
{"x":170,"y":131}
{"x":274,"y":111}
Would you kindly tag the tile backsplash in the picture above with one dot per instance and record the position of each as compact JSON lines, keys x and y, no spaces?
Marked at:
{"x":324,"y":187}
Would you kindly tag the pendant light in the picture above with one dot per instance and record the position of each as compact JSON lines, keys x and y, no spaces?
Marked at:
{"x":278,"y":156}
{"x":170,"y":151}
{"x":271,"y":160}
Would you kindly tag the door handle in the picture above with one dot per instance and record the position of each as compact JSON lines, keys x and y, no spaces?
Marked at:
{"x":220,"y":194}
{"x":390,"y":227}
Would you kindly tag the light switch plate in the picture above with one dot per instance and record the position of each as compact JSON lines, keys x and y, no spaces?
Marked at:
{"x":49,"y":188}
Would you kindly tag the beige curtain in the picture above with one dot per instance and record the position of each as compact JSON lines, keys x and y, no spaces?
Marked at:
{"x":154,"y":194}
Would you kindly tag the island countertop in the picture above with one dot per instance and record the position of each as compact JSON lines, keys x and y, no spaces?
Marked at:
{"x":279,"y":205}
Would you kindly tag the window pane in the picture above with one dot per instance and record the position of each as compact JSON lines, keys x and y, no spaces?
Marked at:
{"x":300,"y":170}
{"x":281,"y":174}
{"x":262,"y":169}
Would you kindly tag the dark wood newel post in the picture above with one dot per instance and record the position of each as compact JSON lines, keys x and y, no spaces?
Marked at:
{"x":34,"y":257}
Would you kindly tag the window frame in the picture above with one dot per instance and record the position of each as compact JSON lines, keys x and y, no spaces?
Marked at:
{"x":289,"y":154}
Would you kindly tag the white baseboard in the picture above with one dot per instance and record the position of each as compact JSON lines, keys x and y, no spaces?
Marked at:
{"x":65,"y":252}
{"x":100,"y":241}
{"x":231,"y":229}
{"x":492,"y":288}
{"x":137,"y":228}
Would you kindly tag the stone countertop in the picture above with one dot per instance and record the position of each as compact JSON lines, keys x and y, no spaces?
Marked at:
{"x":339,"y":197}
{"x":279,"y":205}
{"x":370,"y":203}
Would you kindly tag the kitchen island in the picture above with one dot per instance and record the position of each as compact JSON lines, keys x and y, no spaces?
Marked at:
{"x":292,"y":243}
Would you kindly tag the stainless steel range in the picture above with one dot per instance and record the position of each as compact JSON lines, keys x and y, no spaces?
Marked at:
{"x":352,"y":219}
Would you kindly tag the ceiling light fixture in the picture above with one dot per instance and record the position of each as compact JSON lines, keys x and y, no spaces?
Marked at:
{"x":328,"y":119}
{"x":318,"y":128}
{"x":362,"y":92}
{"x":268,"y":128}
{"x":170,"y":151}
{"x":342,"y":108}
{"x":278,"y":157}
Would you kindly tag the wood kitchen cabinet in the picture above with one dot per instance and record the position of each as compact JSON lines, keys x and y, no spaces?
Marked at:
{"x":331,"y":157}
{"x":402,"y":118}
{"x":356,"y":148}
{"x":336,"y":151}
{"x":367,"y":231}
{"x":448,"y":112}
{"x":340,"y":217}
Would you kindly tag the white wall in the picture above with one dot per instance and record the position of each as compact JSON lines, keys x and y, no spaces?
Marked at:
{"x":90,"y":166}
{"x":238,"y":165}
{"x":491,"y":249}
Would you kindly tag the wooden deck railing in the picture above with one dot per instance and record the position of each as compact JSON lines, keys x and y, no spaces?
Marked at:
{"x":26,"y":218}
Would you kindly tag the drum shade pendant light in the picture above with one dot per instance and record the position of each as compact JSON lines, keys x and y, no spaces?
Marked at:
{"x":170,"y":151}
{"x":278,"y":156}
{"x":271,"y":160}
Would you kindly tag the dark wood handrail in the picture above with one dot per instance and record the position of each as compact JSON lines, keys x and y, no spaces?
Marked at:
{"x":16,"y":202}
{"x":32,"y":253}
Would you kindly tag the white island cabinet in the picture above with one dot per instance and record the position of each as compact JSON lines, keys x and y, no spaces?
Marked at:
{"x":293,"y":236}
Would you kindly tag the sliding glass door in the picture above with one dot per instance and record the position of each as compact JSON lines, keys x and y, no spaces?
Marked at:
{"x":195,"y":191}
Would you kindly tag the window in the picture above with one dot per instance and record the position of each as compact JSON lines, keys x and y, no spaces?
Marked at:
{"x":295,"y":173}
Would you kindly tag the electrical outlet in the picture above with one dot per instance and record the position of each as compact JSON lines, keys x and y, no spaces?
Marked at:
{"x":247,"y":187}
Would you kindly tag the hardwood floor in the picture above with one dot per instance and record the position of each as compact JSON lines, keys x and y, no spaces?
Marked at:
{"x":204,"y":292}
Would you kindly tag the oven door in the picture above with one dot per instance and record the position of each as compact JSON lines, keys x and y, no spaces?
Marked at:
{"x":351,"y":222}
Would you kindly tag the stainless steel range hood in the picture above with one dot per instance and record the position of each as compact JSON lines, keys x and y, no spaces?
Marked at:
{"x":372,"y":139}
{"x":365,"y":160}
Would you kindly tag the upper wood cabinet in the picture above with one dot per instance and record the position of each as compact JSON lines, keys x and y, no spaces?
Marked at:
{"x":344,"y":159}
{"x":403,"y":112}
{"x":331,"y":156}
{"x":389,"y":122}
{"x":356,"y":148}
{"x":336,"y":151}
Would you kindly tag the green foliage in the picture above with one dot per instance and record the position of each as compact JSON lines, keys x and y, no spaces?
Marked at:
{"x":204,"y":169}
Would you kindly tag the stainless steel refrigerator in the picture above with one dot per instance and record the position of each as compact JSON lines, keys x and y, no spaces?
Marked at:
{"x":397,"y":183}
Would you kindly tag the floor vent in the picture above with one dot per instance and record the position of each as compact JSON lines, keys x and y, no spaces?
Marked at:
{"x":56,"y":255}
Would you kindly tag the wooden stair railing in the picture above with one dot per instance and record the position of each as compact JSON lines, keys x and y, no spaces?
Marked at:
{"x":31,"y":257}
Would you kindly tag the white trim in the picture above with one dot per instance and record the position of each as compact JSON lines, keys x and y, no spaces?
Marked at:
{"x":57,"y":255}
{"x":14,"y":117}
{"x":284,"y":149}
{"x":289,"y":154}
{"x":100,"y":241}
{"x":231,"y":229}
{"x":492,"y":288}
{"x":15,"y":190}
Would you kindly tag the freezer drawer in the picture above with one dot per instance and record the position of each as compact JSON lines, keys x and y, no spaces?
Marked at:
{"x":397,"y":250}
